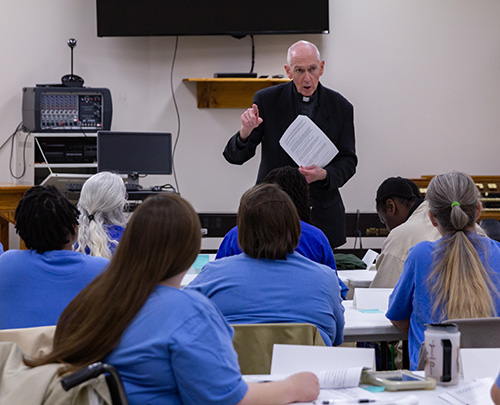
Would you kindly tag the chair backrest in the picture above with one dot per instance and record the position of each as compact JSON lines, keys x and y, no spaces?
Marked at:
{"x":20,"y":384}
{"x":254,"y":342}
{"x":34,"y":342}
{"x":478,"y":332}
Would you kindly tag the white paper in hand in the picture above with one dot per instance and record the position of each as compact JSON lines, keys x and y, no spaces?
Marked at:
{"x":307,"y":144}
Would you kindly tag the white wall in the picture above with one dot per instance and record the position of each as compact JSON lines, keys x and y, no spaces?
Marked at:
{"x":423,"y":75}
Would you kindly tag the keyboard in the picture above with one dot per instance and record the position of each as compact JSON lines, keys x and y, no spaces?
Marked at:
{"x":74,"y":186}
{"x":78,"y":187}
{"x":132,"y":187}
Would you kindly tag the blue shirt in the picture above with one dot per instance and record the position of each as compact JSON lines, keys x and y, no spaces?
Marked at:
{"x":411,"y":298}
{"x":178,"y":350}
{"x":313,"y":244}
{"x":115,"y":233}
{"x":1,"y":248}
{"x":248,"y":290}
{"x":35,"y":288}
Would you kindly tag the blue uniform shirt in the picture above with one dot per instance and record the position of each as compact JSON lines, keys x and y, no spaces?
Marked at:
{"x":35,"y":288}
{"x":411,"y":298}
{"x":248,"y":290}
{"x":313,"y":244}
{"x":178,"y":350}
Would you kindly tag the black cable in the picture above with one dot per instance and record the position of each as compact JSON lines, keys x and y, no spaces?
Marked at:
{"x":177,"y":113}
{"x":13,"y":137}
{"x":253,"y":54}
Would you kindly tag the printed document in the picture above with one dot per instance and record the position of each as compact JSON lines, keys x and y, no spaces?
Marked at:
{"x":307,"y":144}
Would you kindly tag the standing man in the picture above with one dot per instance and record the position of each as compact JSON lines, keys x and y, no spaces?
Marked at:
{"x":275,"y":108}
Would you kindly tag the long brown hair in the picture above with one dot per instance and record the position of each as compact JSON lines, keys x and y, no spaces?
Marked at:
{"x":161,"y":241}
{"x":460,"y":282}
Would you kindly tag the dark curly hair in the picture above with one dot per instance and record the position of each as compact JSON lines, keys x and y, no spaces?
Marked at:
{"x":295,"y":185}
{"x":405,"y":190}
{"x":44,"y":219}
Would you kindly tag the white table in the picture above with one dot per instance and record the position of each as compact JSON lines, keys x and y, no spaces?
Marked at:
{"x":357,"y":278}
{"x":368,"y":326}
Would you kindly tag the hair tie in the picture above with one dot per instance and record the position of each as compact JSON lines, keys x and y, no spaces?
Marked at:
{"x":455,"y":203}
{"x":91,"y":217}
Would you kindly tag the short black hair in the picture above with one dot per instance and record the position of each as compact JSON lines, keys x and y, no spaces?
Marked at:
{"x":397,"y":187}
{"x":295,"y":185}
{"x":44,"y":219}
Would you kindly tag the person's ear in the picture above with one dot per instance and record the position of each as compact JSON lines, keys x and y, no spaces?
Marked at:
{"x":433,"y":219}
{"x":321,"y":67}
{"x":288,"y":71}
{"x":479,"y":209}
{"x":391,"y":207}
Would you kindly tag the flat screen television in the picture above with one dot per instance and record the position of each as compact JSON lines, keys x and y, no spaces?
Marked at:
{"x":134,"y":153}
{"x":116,"y":18}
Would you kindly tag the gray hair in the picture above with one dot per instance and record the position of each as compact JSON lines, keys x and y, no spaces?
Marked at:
{"x":453,"y":199}
{"x":460,"y":283}
{"x":103,"y":199}
{"x":291,"y":50}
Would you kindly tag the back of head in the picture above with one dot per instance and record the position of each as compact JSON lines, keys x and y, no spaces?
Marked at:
{"x":459,"y":282}
{"x":295,"y":185}
{"x":405,"y":190}
{"x":102,"y":201}
{"x":45,"y":219}
{"x":453,"y":199}
{"x":161,"y":241}
{"x":268,"y":224}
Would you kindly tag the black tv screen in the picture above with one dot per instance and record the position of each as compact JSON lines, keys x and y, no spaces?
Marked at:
{"x":215,"y":17}
{"x":134,"y":152}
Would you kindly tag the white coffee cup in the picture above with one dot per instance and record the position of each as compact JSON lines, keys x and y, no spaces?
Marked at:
{"x":442,"y":344}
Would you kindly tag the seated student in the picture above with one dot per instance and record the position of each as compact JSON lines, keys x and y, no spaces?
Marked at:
{"x":101,"y":204}
{"x":169,"y":345}
{"x":313,"y":243}
{"x":37,"y":284}
{"x":270,"y":282}
{"x":406,"y":215}
{"x":457,"y":276}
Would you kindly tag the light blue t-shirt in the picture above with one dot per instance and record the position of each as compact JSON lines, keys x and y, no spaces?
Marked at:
{"x":298,"y":290}
{"x":35,"y":288}
{"x":313,"y":244}
{"x":1,"y":248}
{"x":411,"y":298}
{"x":178,"y":350}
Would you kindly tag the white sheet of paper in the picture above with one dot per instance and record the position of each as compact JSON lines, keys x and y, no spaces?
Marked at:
{"x":290,"y":359}
{"x":371,"y":298}
{"x":369,"y":258}
{"x":480,"y":363}
{"x":307,"y":144}
{"x":476,"y":393}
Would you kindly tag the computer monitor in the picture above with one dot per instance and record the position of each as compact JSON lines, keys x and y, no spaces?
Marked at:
{"x":134,"y":153}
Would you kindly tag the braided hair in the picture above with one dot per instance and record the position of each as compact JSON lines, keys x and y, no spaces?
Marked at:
{"x":295,"y":185}
{"x":44,"y":219}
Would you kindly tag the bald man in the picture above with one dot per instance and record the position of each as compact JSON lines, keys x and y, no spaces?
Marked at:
{"x":275,"y":108}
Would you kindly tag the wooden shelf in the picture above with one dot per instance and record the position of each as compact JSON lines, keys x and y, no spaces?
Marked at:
{"x":229,"y":92}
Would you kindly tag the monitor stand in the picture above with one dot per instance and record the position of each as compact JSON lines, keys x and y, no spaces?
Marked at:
{"x":133,"y":181}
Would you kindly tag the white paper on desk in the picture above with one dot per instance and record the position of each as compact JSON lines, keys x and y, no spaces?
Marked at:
{"x":480,"y":363}
{"x":290,"y":359}
{"x":307,"y":144}
{"x":371,"y":298}
{"x":347,"y":377}
{"x":476,"y":393}
{"x":369,"y":258}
